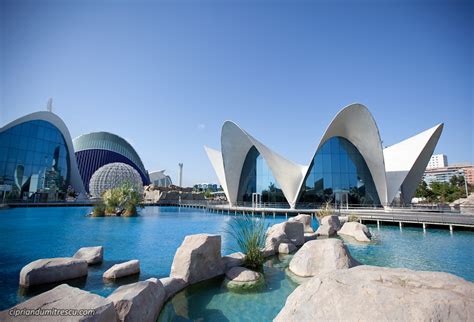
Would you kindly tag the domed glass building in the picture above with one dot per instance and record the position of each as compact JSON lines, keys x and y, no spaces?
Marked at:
{"x":113,"y":175}
{"x":94,"y":150}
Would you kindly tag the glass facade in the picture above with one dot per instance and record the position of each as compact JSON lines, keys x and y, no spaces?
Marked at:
{"x":256,"y":177}
{"x":338,"y":171}
{"x":33,"y":158}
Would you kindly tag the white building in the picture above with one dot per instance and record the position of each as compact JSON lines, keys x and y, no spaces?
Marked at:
{"x":437,"y":161}
{"x":350,"y":165}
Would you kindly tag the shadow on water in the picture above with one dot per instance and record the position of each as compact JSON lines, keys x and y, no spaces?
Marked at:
{"x":191,"y":305}
{"x":37,"y":289}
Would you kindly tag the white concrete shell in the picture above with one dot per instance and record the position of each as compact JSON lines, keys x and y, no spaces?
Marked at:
{"x":236,"y":143}
{"x":406,"y":161}
{"x":399,"y":167}
{"x":357,"y":125}
{"x":75,"y":177}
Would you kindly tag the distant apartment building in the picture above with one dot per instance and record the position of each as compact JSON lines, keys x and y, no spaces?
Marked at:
{"x":206,"y":186}
{"x":437,"y":161}
{"x":445,"y":174}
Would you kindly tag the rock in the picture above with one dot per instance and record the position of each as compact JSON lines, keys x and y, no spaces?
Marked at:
{"x":172,"y":285}
{"x":286,"y":248}
{"x":321,"y":256}
{"x":50,"y":270}
{"x":241,"y":278}
{"x":356,"y":230}
{"x":381,"y":294}
{"x":93,"y":255}
{"x":123,"y":269}
{"x":310,"y":236}
{"x":328,"y":226}
{"x":198,"y":258}
{"x":284,"y":232}
{"x":67,"y":298}
{"x":305,"y":220}
{"x":141,"y":301}
{"x":233,"y":260}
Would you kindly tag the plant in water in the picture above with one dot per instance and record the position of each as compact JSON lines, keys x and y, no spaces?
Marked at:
{"x":122,"y":200}
{"x":326,"y":210}
{"x":99,"y":210}
{"x":249,"y":235}
{"x":352,"y":218}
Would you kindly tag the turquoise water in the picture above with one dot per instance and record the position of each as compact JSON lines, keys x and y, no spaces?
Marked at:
{"x":27,"y":234}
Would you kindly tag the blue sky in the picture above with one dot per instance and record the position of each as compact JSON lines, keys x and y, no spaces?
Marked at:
{"x":166,"y":75}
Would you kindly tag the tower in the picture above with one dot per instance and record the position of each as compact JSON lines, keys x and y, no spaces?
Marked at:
{"x":180,"y":174}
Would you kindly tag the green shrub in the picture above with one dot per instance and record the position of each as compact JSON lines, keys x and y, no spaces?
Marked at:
{"x":249,"y":235}
{"x":326,"y":210}
{"x":122,"y":200}
{"x":352,"y":218}
{"x":99,"y":210}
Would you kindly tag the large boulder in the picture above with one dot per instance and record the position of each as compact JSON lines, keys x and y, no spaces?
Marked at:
{"x":305,"y":220}
{"x":240,"y":278}
{"x":282,"y":233}
{"x":64,"y":297}
{"x":172,"y":286}
{"x":123,"y":269}
{"x":198,"y":258}
{"x":141,"y":301}
{"x":233,"y":260}
{"x":49,"y":270}
{"x":93,"y":255}
{"x":286,"y":248}
{"x":328,"y":226}
{"x":321,"y":256}
{"x":381,"y":294}
{"x":356,"y":230}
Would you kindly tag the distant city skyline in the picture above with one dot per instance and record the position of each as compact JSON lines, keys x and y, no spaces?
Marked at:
{"x":166,"y":75}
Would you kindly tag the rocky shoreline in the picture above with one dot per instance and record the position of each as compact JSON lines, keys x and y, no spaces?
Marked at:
{"x":334,"y":286}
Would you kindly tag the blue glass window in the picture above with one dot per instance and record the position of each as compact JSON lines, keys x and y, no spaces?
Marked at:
{"x":29,"y":149}
{"x":257,"y":177}
{"x":338,"y":167}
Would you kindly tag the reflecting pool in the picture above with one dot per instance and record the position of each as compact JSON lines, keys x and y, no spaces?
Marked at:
{"x":27,"y":234}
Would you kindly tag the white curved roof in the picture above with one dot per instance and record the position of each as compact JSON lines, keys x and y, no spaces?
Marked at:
{"x":354,"y":123}
{"x":50,"y":117}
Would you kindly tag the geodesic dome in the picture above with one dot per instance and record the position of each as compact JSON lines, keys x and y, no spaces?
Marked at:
{"x":113,"y":175}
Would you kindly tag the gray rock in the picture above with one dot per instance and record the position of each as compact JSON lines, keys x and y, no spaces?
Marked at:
{"x":172,"y":285}
{"x":50,"y":270}
{"x":356,"y":230}
{"x":328,"y":226}
{"x":321,"y":256}
{"x":310,"y":236}
{"x":372,"y":293}
{"x":305,"y":220}
{"x":286,"y":248}
{"x":93,"y":255}
{"x":141,"y":301}
{"x":240,"y":278}
{"x":283,"y":233}
{"x":233,"y":260}
{"x":65,"y":297}
{"x":123,"y":269}
{"x":198,"y":258}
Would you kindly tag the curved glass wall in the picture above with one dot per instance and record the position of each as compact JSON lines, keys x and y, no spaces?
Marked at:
{"x":256,"y":177}
{"x":34,"y":158}
{"x":339,"y":173}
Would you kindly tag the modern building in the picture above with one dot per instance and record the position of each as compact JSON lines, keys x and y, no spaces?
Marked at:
{"x":437,"y":161}
{"x":94,"y":150}
{"x":445,"y":174}
{"x":213,"y":187}
{"x":350,"y":165}
{"x":113,"y":175}
{"x":37,"y":157}
{"x":160,"y":179}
